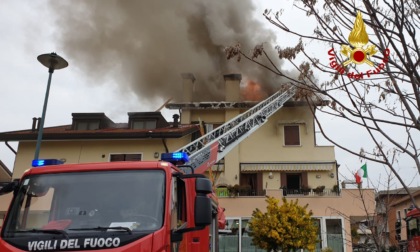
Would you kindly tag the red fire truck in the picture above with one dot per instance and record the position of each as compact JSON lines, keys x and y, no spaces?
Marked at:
{"x":146,"y":206}
{"x":138,"y":206}
{"x":413,"y":230}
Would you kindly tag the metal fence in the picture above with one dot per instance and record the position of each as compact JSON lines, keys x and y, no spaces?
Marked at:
{"x":225,"y":192}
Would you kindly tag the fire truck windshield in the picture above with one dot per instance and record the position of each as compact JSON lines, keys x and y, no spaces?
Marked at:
{"x":413,"y":225}
{"x":85,"y":210}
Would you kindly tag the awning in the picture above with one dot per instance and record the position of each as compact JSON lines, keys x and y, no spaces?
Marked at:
{"x":364,"y":231}
{"x":252,"y":167}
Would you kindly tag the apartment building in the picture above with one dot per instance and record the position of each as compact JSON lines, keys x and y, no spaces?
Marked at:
{"x":5,"y":177}
{"x":392,"y":206}
{"x":398,"y":210}
{"x":280,"y":159}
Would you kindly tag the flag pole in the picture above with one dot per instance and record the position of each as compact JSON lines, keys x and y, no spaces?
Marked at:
{"x":367,"y":182}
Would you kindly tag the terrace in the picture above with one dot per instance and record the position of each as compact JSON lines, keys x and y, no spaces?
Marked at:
{"x":247,"y":191}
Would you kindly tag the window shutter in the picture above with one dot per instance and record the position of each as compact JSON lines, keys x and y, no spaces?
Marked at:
{"x":283,"y":179}
{"x":291,"y":135}
{"x":304,"y":179}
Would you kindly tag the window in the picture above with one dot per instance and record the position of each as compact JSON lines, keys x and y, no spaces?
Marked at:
{"x":291,"y":135}
{"x":317,"y":223}
{"x":335,"y":234}
{"x":1,"y":219}
{"x":293,"y":181}
{"x":405,"y":212}
{"x":209,"y":127}
{"x":237,"y":234}
{"x":399,"y":215}
{"x":125,"y":157}
{"x":178,"y":204}
{"x":206,"y":128}
{"x":87,"y":125}
{"x":246,"y":239}
{"x":229,"y":237}
{"x":251,"y":184}
{"x":143,"y":124}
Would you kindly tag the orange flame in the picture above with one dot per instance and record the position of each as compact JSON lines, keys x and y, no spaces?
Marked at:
{"x":253,"y":91}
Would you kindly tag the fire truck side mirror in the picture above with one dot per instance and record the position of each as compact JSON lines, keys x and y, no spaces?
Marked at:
{"x":9,"y":187}
{"x":203,"y":207}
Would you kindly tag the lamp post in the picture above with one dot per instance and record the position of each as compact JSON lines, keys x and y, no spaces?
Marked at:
{"x":51,"y":61}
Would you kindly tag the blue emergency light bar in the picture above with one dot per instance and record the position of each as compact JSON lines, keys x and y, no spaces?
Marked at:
{"x":175,"y":157}
{"x":45,"y":162}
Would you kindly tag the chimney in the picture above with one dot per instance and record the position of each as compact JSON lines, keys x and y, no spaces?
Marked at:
{"x":176,"y":123}
{"x":232,"y":87}
{"x":187,"y":87}
{"x":187,"y":91}
{"x":34,"y":120}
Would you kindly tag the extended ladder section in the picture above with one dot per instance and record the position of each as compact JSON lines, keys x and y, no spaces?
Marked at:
{"x":213,"y":146}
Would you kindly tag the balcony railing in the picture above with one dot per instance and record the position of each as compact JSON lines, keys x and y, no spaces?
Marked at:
{"x":225,"y":192}
{"x":311,"y":192}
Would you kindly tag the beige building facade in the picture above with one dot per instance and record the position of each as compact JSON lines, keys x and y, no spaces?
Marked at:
{"x":280,"y":159}
{"x":5,"y":177}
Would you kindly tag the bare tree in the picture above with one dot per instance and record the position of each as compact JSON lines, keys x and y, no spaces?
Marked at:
{"x":371,"y":81}
{"x":371,"y":230}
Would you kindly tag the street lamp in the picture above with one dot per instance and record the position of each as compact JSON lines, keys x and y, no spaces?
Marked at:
{"x":51,"y":61}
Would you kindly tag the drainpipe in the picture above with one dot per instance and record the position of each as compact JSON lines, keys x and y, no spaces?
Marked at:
{"x":10,"y":147}
{"x":336,"y":174}
{"x":165,"y":145}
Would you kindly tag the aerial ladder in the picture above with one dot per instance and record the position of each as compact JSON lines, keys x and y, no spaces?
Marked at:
{"x":210,"y":148}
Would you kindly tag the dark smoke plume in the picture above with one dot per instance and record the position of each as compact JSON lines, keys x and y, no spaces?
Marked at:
{"x":146,"y":45}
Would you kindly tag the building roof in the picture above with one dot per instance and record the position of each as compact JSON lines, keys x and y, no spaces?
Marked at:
{"x":406,"y":198}
{"x":233,"y":105}
{"x":109,"y":130}
{"x":5,"y":173}
{"x":398,"y":191}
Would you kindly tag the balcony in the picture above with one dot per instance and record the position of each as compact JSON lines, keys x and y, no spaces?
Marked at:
{"x":319,"y":191}
{"x":246,"y":191}
{"x":222,"y":192}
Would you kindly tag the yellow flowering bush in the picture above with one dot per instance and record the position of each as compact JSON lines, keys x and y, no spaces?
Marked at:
{"x":286,"y":227}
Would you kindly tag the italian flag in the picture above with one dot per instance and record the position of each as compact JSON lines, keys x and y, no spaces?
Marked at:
{"x":361,"y":173}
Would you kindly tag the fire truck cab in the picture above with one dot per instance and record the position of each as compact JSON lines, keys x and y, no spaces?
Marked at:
{"x":413,"y":230}
{"x":118,"y":206}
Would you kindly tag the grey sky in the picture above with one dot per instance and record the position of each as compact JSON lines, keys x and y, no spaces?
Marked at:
{"x":94,"y":84}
